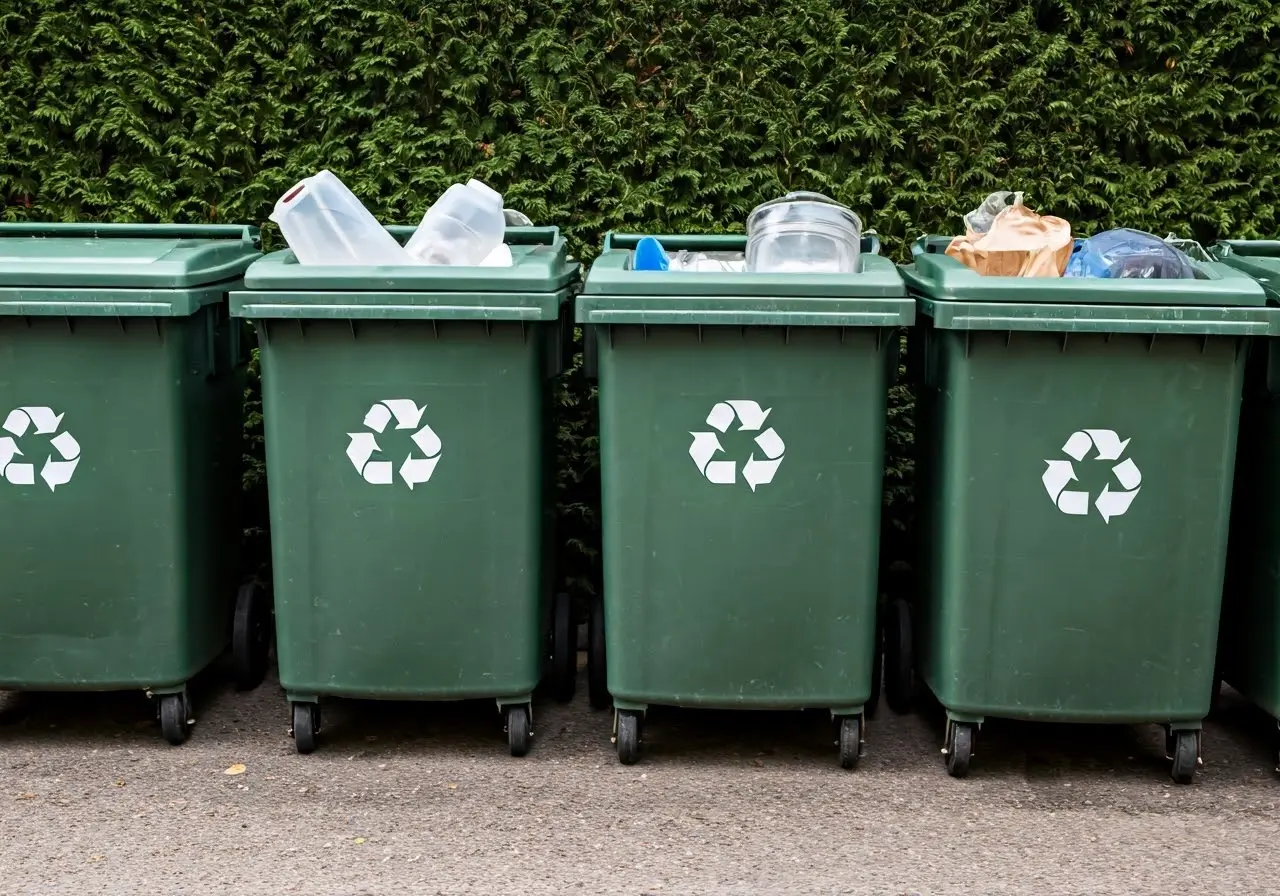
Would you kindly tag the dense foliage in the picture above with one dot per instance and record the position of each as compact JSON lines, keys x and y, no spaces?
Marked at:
{"x":657,"y":116}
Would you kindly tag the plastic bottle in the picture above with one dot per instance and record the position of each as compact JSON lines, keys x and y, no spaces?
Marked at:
{"x":461,"y":227}
{"x":324,"y":223}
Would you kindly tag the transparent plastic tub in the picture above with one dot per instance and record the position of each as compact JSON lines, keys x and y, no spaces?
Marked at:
{"x":461,"y":227}
{"x":324,"y":223}
{"x":803,"y":232}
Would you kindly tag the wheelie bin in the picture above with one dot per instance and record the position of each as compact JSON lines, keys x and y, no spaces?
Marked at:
{"x":1076,"y":441}
{"x":1249,"y":643}
{"x":742,"y":433}
{"x":123,"y":377}
{"x":408,"y":439}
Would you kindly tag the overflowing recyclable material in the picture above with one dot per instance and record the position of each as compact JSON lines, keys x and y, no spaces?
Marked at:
{"x":1016,"y":241}
{"x":650,"y":256}
{"x":686,"y":260}
{"x":803,"y":232}
{"x":1125,"y":253}
{"x":798,"y":233}
{"x":1004,"y":238}
{"x":325,"y":224}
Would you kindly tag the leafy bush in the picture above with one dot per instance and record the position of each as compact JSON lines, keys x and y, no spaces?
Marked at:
{"x":656,"y":116}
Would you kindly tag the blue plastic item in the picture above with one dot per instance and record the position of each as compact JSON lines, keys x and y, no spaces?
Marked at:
{"x":1125,"y":253}
{"x":650,"y":256}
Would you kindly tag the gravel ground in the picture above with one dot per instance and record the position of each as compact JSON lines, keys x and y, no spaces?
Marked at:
{"x":422,"y":798}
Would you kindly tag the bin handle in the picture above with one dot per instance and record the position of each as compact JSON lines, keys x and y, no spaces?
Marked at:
{"x":513,"y":236}
{"x":706,"y":242}
{"x":246,"y":233}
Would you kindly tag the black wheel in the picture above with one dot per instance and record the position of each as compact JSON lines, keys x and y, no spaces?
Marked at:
{"x":628,"y":736}
{"x":899,"y":659}
{"x":597,"y":680}
{"x":174,"y":724}
{"x":960,"y":749}
{"x":306,"y":725}
{"x":1186,"y":755}
{"x":518,"y":730}
{"x":251,"y":636}
{"x":850,"y":741}
{"x":564,"y":649}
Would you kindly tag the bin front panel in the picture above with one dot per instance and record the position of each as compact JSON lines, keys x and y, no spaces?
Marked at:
{"x":717,"y":594}
{"x":120,"y":568}
{"x":433,"y":591}
{"x":1076,"y":494}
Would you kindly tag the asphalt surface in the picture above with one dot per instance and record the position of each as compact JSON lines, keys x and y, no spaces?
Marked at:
{"x":423,"y":798}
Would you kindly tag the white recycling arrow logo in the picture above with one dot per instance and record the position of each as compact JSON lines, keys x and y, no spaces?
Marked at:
{"x":756,"y":471}
{"x":66,"y":449}
{"x":363,"y":445}
{"x":1108,"y":447}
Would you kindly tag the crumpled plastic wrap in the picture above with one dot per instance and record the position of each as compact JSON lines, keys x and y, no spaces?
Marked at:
{"x":979,"y":220}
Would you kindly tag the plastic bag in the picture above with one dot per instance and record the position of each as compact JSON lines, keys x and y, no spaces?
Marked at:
{"x":1131,"y":254}
{"x":686,"y":260}
{"x":1020,"y":243}
{"x":979,"y":220}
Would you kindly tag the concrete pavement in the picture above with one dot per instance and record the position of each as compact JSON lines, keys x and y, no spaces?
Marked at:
{"x":423,"y":798}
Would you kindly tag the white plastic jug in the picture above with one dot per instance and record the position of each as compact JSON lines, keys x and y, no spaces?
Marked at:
{"x":463,"y":226}
{"x":324,"y":223}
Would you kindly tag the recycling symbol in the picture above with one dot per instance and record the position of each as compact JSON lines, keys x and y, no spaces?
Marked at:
{"x":363,"y":445}
{"x":706,"y":445}
{"x":58,"y":465}
{"x":1108,"y":447}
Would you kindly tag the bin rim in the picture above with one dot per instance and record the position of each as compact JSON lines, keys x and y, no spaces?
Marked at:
{"x":614,"y":293}
{"x":541,"y":256}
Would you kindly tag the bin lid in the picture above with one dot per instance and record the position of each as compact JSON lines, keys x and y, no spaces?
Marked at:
{"x":1222,"y":301}
{"x":124,"y":256}
{"x":1260,"y":259}
{"x":616,"y":294}
{"x":532,"y":288}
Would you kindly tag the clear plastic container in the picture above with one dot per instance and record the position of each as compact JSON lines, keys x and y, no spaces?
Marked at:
{"x":461,"y":227}
{"x":803,"y":232}
{"x":324,"y":223}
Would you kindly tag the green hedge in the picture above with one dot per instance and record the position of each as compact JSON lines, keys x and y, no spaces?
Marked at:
{"x":647,"y":116}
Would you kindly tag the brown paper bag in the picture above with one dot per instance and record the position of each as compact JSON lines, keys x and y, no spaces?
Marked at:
{"x":1020,"y":243}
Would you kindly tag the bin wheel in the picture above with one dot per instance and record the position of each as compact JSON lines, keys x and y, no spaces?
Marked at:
{"x":628,"y":736}
{"x":174,"y":724}
{"x":564,"y":649}
{"x":597,"y":674}
{"x":877,"y":674}
{"x":1186,"y":756}
{"x":519,"y":731}
{"x":960,"y":749}
{"x":899,"y":659}
{"x":251,"y":636}
{"x":850,"y":741}
{"x":306,"y":725}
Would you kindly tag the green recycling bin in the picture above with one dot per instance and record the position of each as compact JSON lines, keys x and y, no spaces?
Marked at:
{"x":742,"y":432}
{"x":1249,"y":643}
{"x":1076,"y":440}
{"x":408,"y":436}
{"x":123,"y":379}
